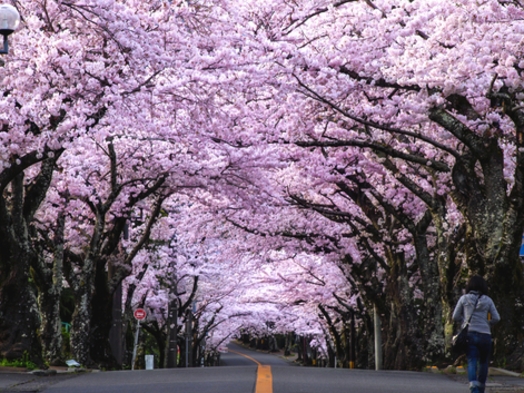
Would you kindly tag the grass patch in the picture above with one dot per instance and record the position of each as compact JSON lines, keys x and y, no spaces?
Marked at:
{"x":23,"y":362}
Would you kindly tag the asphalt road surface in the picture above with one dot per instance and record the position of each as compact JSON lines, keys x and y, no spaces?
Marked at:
{"x":245,"y":371}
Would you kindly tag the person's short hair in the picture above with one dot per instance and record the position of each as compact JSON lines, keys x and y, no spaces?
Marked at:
{"x":478,"y":284}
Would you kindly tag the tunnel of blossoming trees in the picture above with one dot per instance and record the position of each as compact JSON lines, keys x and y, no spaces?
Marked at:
{"x":282,"y":173}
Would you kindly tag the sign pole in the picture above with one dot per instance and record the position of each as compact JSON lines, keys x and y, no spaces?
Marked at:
{"x":136,"y":345}
{"x":139,"y":315}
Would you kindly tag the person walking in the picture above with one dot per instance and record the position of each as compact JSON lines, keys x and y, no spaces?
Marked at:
{"x":477,"y":304}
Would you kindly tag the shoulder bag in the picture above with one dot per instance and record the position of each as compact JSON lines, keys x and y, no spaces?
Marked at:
{"x":459,"y":342}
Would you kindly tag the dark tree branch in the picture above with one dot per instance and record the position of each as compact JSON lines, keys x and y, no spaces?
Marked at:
{"x":384,"y":127}
{"x":380,"y":148}
{"x":459,"y":130}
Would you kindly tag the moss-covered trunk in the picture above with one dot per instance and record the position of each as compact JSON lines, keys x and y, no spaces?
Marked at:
{"x":19,"y":316}
{"x":83,"y":287}
{"x":494,"y":217}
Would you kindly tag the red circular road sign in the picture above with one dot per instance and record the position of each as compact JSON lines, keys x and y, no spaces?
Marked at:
{"x":140,"y":314}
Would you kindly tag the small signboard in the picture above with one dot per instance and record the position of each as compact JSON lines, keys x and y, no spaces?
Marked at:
{"x":140,"y":314}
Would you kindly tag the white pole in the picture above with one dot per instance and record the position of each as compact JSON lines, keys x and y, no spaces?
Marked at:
{"x":136,"y":345}
{"x":187,"y":349}
{"x":378,"y":340}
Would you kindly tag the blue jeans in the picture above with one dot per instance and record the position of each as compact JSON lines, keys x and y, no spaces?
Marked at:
{"x":479,"y":350}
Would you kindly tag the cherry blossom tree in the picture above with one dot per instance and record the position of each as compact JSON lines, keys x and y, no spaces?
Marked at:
{"x":80,"y":69}
{"x":340,"y":155}
{"x":419,"y":105}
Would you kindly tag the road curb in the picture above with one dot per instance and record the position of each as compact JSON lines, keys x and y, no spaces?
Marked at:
{"x":501,"y":371}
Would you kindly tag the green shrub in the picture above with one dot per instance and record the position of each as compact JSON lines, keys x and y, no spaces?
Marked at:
{"x":22,"y":362}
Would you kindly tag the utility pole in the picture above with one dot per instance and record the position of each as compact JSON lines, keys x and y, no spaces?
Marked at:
{"x":172,"y":325}
{"x":378,"y":340}
{"x":352,"y":348}
{"x":189,"y":339}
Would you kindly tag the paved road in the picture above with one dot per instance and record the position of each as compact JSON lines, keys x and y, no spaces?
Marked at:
{"x":197,"y":380}
{"x":241,"y":379}
{"x":240,"y":356}
{"x":315,"y":380}
{"x":238,"y":374}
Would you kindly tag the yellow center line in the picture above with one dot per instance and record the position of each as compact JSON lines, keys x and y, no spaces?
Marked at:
{"x":264,"y":377}
{"x":264,"y":380}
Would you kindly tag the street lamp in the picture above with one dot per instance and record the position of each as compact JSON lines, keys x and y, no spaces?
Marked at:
{"x":9,"y":21}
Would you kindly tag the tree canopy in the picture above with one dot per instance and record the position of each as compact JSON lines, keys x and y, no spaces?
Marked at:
{"x":263,"y":168}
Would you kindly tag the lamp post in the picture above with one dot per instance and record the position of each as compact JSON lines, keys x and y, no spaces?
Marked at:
{"x":9,"y":21}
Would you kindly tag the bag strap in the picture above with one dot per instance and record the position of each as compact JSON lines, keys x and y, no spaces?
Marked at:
{"x":474,"y":307}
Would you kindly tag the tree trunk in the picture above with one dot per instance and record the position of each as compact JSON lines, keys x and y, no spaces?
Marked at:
{"x":101,"y":321}
{"x":403,"y":338}
{"x":51,"y":326}
{"x":505,"y":280}
{"x":171,"y":344}
{"x":495,"y":223}
{"x":19,"y":319}
{"x":117,"y":332}
{"x":48,"y":280}
{"x":81,"y":320}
